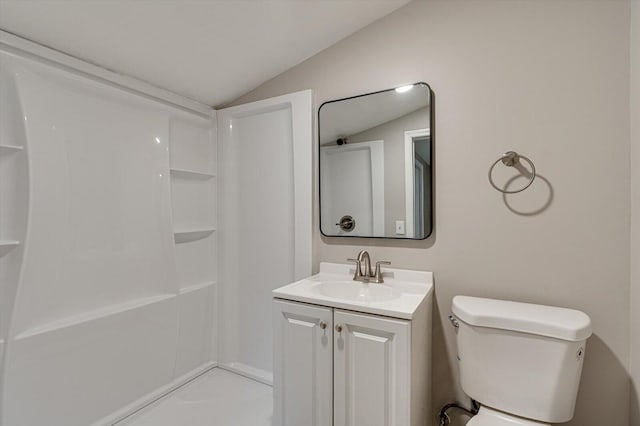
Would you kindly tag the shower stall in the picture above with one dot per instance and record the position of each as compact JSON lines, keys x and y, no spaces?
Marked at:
{"x":140,"y":236}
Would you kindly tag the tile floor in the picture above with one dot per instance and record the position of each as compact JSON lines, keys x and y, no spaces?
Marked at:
{"x":217,"y":398}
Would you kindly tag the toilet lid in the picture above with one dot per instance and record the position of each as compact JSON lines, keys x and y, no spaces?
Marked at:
{"x":488,"y":417}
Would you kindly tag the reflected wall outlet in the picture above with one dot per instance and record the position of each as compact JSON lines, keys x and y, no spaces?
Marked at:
{"x":399,"y":227}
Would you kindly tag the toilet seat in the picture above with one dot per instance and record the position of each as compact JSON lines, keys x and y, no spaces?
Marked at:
{"x":489,"y":417}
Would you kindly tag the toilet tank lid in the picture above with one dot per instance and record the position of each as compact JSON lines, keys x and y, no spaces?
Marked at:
{"x":550,"y":321}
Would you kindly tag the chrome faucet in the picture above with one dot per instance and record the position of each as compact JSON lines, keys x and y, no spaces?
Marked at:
{"x":363,"y":271}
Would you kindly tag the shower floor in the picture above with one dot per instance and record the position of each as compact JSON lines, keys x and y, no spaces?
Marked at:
{"x":218,"y":398}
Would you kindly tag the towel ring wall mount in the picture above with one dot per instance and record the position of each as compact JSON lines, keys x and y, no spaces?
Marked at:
{"x":511,"y":159}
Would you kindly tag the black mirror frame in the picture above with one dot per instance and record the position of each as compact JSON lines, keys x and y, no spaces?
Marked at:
{"x":432,"y":151}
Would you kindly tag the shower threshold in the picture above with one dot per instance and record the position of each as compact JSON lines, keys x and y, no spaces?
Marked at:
{"x":218,"y":397}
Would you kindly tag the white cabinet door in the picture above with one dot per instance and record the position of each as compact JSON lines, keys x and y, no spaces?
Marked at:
{"x":371,"y":370}
{"x":303,"y":367}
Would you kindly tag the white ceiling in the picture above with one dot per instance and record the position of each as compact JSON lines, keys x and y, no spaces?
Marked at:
{"x":212,"y":51}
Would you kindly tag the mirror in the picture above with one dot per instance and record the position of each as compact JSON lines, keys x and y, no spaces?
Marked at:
{"x":376,"y":154}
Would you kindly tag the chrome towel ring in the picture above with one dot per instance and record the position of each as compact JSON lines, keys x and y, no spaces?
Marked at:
{"x":510,"y":159}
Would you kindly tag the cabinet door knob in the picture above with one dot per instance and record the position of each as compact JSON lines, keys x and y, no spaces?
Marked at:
{"x":322,"y":325}
{"x":339,"y":328}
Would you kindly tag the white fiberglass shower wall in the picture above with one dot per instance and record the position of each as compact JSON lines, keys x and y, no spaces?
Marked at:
{"x":107,"y":243}
{"x":110,"y":240}
{"x":266,"y":208}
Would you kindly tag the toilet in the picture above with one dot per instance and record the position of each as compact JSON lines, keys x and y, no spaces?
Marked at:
{"x":521,"y":362}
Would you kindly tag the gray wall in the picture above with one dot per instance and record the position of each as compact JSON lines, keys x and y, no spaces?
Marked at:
{"x":635,"y":216}
{"x":549,"y":79}
{"x":392,"y":132}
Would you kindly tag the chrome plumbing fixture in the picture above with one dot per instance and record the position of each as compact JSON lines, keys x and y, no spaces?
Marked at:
{"x":363,"y":268}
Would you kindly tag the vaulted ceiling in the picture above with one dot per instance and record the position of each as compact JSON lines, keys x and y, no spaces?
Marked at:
{"x":209,"y":50}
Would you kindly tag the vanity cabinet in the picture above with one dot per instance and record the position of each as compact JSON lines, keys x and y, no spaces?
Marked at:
{"x":371,"y":360}
{"x":303,"y":365}
{"x":343,"y":368}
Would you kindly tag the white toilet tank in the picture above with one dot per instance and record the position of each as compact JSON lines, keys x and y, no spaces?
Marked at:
{"x":520,"y":358}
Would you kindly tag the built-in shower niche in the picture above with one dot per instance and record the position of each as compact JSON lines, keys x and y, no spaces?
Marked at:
{"x":192,"y":155}
{"x":193,"y":203}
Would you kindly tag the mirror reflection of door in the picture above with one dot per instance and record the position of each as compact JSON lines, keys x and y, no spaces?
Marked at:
{"x":354,"y":175}
{"x":417,"y":181}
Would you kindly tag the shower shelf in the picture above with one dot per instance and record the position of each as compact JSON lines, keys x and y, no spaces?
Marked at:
{"x":195,"y":287}
{"x":7,"y":245}
{"x":188,"y":235}
{"x":190,"y":174}
{"x":9,"y":149}
{"x":93,"y":315}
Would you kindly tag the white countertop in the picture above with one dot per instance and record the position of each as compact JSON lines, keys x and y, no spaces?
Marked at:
{"x":406,"y":289}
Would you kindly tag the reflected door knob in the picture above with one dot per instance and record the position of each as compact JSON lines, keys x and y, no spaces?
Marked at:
{"x":347,"y":223}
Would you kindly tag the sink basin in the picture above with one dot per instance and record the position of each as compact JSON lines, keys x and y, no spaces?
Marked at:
{"x":400,"y":296}
{"x":356,"y":291}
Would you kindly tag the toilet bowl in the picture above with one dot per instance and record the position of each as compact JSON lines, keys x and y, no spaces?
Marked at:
{"x":488,"y":417}
{"x":521,"y":362}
